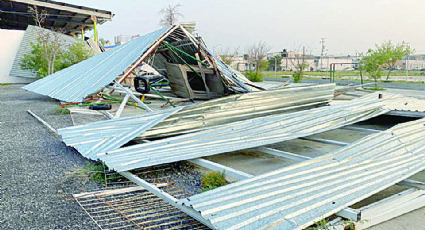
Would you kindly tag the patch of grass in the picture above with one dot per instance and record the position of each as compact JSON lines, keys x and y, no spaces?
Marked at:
{"x":5,"y":84}
{"x":212,"y":180}
{"x":378,"y":88}
{"x":60,"y":110}
{"x":94,"y":172}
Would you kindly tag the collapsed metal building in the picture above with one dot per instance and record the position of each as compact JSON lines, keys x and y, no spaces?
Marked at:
{"x":240,"y":116}
{"x":171,"y":46}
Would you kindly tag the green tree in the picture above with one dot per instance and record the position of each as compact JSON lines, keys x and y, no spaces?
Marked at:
{"x":38,"y":61}
{"x":299,"y":62}
{"x":48,"y":54}
{"x":371,"y":64}
{"x":390,"y":53}
{"x":77,"y":52}
{"x":276,"y":60}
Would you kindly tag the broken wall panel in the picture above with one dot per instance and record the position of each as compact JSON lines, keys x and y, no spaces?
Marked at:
{"x":243,"y":134}
{"x":296,"y":196}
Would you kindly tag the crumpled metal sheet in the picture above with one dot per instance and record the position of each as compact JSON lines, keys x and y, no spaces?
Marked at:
{"x":399,"y":102}
{"x":295,"y":197}
{"x":243,"y":134}
{"x":241,"y":107}
{"x":90,"y":139}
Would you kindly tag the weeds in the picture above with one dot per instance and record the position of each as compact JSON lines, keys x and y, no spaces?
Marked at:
{"x":96,"y":172}
{"x":60,"y":110}
{"x":212,"y":180}
{"x":320,"y":225}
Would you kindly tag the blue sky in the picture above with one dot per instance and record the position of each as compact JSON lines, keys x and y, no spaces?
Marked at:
{"x":347,"y":25}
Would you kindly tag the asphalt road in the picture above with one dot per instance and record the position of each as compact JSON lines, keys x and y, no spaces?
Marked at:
{"x":35,"y":192}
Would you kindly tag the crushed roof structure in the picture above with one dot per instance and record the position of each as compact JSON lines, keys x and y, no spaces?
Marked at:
{"x":295,"y":197}
{"x":243,"y":134}
{"x":71,"y":18}
{"x":90,"y":76}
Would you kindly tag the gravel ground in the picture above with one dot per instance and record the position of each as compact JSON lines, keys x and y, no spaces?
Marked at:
{"x":35,"y":192}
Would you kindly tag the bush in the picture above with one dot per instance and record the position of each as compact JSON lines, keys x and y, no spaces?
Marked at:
{"x":297,"y":77}
{"x":254,"y":76}
{"x":212,"y":180}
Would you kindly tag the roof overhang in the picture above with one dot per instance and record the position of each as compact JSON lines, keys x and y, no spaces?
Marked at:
{"x":70,"y":18}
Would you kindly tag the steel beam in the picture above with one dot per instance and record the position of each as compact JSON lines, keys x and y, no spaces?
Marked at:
{"x":349,"y":213}
{"x":406,"y":113}
{"x":122,"y":105}
{"x":43,"y":122}
{"x":326,"y":141}
{"x":284,"y":154}
{"x":128,"y":92}
{"x":218,"y":167}
{"x":166,"y":197}
{"x":412,"y":183}
{"x":360,"y":129}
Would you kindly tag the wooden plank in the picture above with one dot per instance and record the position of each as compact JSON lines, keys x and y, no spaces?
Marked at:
{"x":201,"y":68}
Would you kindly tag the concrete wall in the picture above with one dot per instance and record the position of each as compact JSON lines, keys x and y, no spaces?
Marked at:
{"x":9,"y":44}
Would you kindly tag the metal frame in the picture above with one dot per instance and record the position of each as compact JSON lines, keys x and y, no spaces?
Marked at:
{"x":166,"y":197}
{"x":130,"y":94}
{"x":218,"y":167}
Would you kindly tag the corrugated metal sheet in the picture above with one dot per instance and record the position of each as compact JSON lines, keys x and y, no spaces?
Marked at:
{"x":235,"y":80}
{"x":241,"y":107}
{"x":30,"y":35}
{"x":76,"y":82}
{"x":296,"y":196}
{"x":403,"y":103}
{"x":242,"y":135}
{"x":90,"y":139}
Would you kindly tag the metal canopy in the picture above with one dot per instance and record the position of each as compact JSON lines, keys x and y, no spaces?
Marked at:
{"x":296,"y":196}
{"x":244,"y":134}
{"x":72,"y":18}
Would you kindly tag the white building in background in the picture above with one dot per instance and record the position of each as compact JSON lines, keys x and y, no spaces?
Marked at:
{"x":10,"y":41}
{"x":121,"y":39}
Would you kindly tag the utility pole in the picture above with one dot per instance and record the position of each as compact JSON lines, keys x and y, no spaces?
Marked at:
{"x":407,"y":59}
{"x":322,"y":42}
